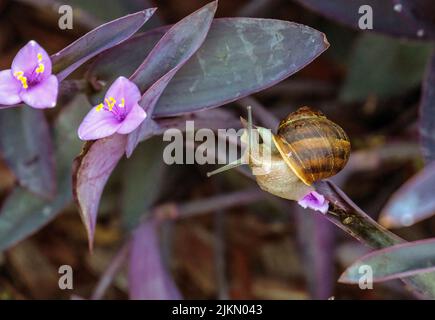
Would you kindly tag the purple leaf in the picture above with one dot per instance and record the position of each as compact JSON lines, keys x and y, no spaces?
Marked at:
{"x":26,"y":146}
{"x":316,"y":237}
{"x":168,"y":56}
{"x":240,"y":56}
{"x":96,"y":41}
{"x":413,"y":202}
{"x":403,"y":18}
{"x":176,"y":46}
{"x":94,"y":166}
{"x":147,"y":276}
{"x":399,"y":261}
{"x":427,"y":111}
{"x":91,"y":171}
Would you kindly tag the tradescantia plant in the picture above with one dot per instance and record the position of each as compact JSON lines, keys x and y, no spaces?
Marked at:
{"x":137,"y":85}
{"x":200,"y":80}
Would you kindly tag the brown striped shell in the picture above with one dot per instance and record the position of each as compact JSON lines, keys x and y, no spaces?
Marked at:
{"x":314,"y":147}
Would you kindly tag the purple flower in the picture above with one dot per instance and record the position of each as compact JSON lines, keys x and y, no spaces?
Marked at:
{"x":29,"y":80}
{"x":314,"y":201}
{"x":119,"y":113}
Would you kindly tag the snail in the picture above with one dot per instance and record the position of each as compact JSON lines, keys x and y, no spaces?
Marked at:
{"x":307,"y":148}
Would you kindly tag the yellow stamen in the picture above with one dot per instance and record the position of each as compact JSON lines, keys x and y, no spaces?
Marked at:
{"x":40,"y":68}
{"x":122,"y":104}
{"x":99,"y":107}
{"x":39,"y":57}
{"x":21,"y":78}
{"x":110,"y":103}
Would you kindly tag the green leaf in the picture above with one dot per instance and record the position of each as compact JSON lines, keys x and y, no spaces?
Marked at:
{"x":383,"y":67}
{"x":26,"y":146}
{"x":413,"y":202}
{"x":24,"y":213}
{"x":351,"y":219}
{"x":394,"y":262}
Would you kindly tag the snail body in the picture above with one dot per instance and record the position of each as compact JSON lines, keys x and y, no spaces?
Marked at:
{"x":307,"y":147}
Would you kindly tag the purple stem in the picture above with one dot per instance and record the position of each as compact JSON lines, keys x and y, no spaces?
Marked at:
{"x":111,"y":272}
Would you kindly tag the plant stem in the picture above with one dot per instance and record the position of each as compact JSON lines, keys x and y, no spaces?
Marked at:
{"x":220,"y":202}
{"x":350,"y":218}
{"x":110,"y":273}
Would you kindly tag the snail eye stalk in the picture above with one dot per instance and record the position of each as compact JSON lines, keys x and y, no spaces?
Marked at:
{"x":238,"y":162}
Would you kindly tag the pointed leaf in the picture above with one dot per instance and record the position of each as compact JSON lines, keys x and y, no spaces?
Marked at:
{"x":394,"y":262}
{"x":147,"y":276}
{"x":413,"y":202}
{"x":97,"y":161}
{"x":177,"y":45}
{"x":427,"y":112}
{"x":405,"y":18}
{"x":240,"y":56}
{"x":26,"y":146}
{"x":91,"y":171}
{"x":167,"y":57}
{"x":96,"y":41}
{"x":23,"y":213}
{"x":350,"y":218}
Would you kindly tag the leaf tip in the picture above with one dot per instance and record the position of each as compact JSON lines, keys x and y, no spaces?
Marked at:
{"x":325,"y":41}
{"x":344,"y":278}
{"x":149,"y":12}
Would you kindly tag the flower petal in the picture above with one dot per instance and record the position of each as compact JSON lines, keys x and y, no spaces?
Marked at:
{"x":43,"y":95}
{"x":26,"y":59}
{"x":9,"y":88}
{"x":97,"y":125}
{"x":124,"y":88}
{"x":133,"y":119}
{"x":314,"y":201}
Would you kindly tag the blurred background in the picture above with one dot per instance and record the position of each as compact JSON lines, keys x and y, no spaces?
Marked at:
{"x":259,"y":247}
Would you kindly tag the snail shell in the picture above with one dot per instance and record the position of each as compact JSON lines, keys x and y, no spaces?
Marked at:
{"x":313,"y":147}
